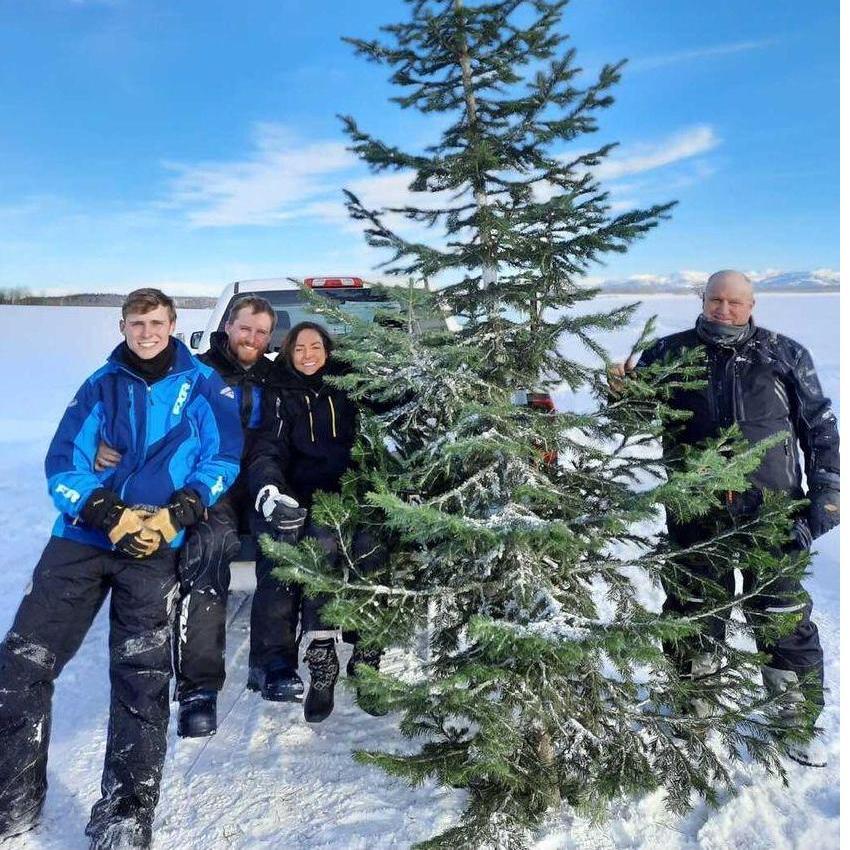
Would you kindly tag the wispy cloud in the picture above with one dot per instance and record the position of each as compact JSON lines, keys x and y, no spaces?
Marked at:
{"x":282,"y":178}
{"x":643,"y":157}
{"x":649,"y":63}
{"x":278,"y":178}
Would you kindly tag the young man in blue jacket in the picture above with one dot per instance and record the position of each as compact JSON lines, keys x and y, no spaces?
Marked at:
{"x":177,"y":427}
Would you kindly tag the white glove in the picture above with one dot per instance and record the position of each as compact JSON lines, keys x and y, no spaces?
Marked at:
{"x":280,"y":511}
{"x":267,"y":499}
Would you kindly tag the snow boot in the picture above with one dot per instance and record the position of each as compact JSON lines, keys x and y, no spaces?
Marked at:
{"x":125,"y":834}
{"x":810,"y":752}
{"x":120,"y":825}
{"x":324,"y":669}
{"x":369,"y":703}
{"x":276,"y":683}
{"x":196,"y":717}
{"x":14,"y":824}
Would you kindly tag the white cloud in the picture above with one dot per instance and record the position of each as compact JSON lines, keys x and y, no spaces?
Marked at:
{"x":275,"y":182}
{"x":651,"y":62}
{"x":639,"y":158}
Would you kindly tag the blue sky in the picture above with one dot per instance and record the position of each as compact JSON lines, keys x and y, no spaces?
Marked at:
{"x":150,"y":142}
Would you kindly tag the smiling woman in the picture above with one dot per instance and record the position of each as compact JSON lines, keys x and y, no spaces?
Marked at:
{"x":308,"y":350}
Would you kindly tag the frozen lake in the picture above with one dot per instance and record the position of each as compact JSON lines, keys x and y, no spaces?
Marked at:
{"x":283,"y":785}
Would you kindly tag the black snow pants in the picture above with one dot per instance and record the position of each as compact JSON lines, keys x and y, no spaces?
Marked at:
{"x":799,"y":651}
{"x":276,"y":606}
{"x":204,"y":570}
{"x":69,"y":584}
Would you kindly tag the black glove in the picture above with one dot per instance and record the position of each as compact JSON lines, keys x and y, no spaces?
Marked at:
{"x":281,"y":512}
{"x":124,"y":526}
{"x":185,"y":508}
{"x":824,"y":507}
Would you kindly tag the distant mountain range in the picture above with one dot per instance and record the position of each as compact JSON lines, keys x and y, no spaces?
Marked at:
{"x":682,"y":282}
{"x":100,"y":299}
{"x":685,"y":282}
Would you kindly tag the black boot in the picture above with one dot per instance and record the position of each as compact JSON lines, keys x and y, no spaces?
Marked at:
{"x":196,"y":716}
{"x":277,"y":683}
{"x":121,"y":825}
{"x":371,"y":658}
{"x":122,"y":835}
{"x":324,"y":669}
{"x":19,"y":821}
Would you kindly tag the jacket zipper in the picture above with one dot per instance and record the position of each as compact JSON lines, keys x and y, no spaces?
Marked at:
{"x":277,"y":416}
{"x":789,"y":462}
{"x":310,"y":414}
{"x":144,"y":445}
{"x":333,"y":416}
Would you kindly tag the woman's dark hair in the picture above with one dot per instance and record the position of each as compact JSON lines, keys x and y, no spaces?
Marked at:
{"x":288,"y":345}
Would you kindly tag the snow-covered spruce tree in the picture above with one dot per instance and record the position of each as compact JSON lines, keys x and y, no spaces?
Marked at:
{"x":546,"y":678}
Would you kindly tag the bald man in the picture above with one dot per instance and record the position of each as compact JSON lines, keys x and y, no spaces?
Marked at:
{"x":766,"y":384}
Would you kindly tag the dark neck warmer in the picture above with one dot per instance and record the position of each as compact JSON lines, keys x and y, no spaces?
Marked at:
{"x":150,"y":370}
{"x":312,"y":382}
{"x":727,"y":336}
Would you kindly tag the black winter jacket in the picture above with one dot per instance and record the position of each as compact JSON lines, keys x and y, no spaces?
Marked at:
{"x":247,"y":385}
{"x":767,"y":384}
{"x":305,"y":440}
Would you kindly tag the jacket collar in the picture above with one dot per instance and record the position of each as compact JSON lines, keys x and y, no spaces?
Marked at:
{"x":183,"y":360}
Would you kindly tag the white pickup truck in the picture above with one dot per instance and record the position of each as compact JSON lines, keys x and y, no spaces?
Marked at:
{"x":286,"y":296}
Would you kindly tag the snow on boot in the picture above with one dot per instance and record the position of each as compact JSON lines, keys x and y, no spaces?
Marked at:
{"x":371,"y":658}
{"x":779,"y":682}
{"x":123,"y":834}
{"x":276,"y":684}
{"x":703,"y":666}
{"x":13,"y":824}
{"x":324,"y":669}
{"x":196,"y":717}
{"x":811,"y":752}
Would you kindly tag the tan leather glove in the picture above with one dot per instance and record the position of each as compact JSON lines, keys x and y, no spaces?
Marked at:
{"x":161,"y":523}
{"x":130,"y":535}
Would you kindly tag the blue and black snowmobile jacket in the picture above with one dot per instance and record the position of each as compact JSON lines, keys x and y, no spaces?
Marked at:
{"x":180,"y":431}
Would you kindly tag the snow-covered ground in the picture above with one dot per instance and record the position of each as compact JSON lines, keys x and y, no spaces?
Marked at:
{"x":270,"y":781}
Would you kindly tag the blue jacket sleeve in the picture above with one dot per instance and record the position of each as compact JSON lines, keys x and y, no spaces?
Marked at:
{"x":69,"y":464}
{"x":216,"y":416}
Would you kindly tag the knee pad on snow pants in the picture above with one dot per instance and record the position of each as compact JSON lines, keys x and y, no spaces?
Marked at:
{"x":200,"y":624}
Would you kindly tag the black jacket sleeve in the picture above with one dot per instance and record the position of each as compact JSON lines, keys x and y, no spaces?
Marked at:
{"x":269,"y":453}
{"x":814,"y":421}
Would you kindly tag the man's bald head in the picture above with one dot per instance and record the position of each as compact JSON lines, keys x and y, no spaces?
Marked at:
{"x":728,"y":298}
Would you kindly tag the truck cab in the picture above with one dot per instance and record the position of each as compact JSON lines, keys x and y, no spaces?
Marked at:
{"x":286,"y":295}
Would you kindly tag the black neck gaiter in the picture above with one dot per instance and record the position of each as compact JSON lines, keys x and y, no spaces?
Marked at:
{"x":728,"y":336}
{"x":312,"y":382}
{"x":150,"y":370}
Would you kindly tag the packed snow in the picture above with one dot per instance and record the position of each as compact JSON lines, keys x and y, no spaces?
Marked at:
{"x":268,"y":780}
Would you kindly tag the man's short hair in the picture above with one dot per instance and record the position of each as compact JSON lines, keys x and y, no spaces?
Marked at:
{"x":146,"y":299}
{"x":256,"y":305}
